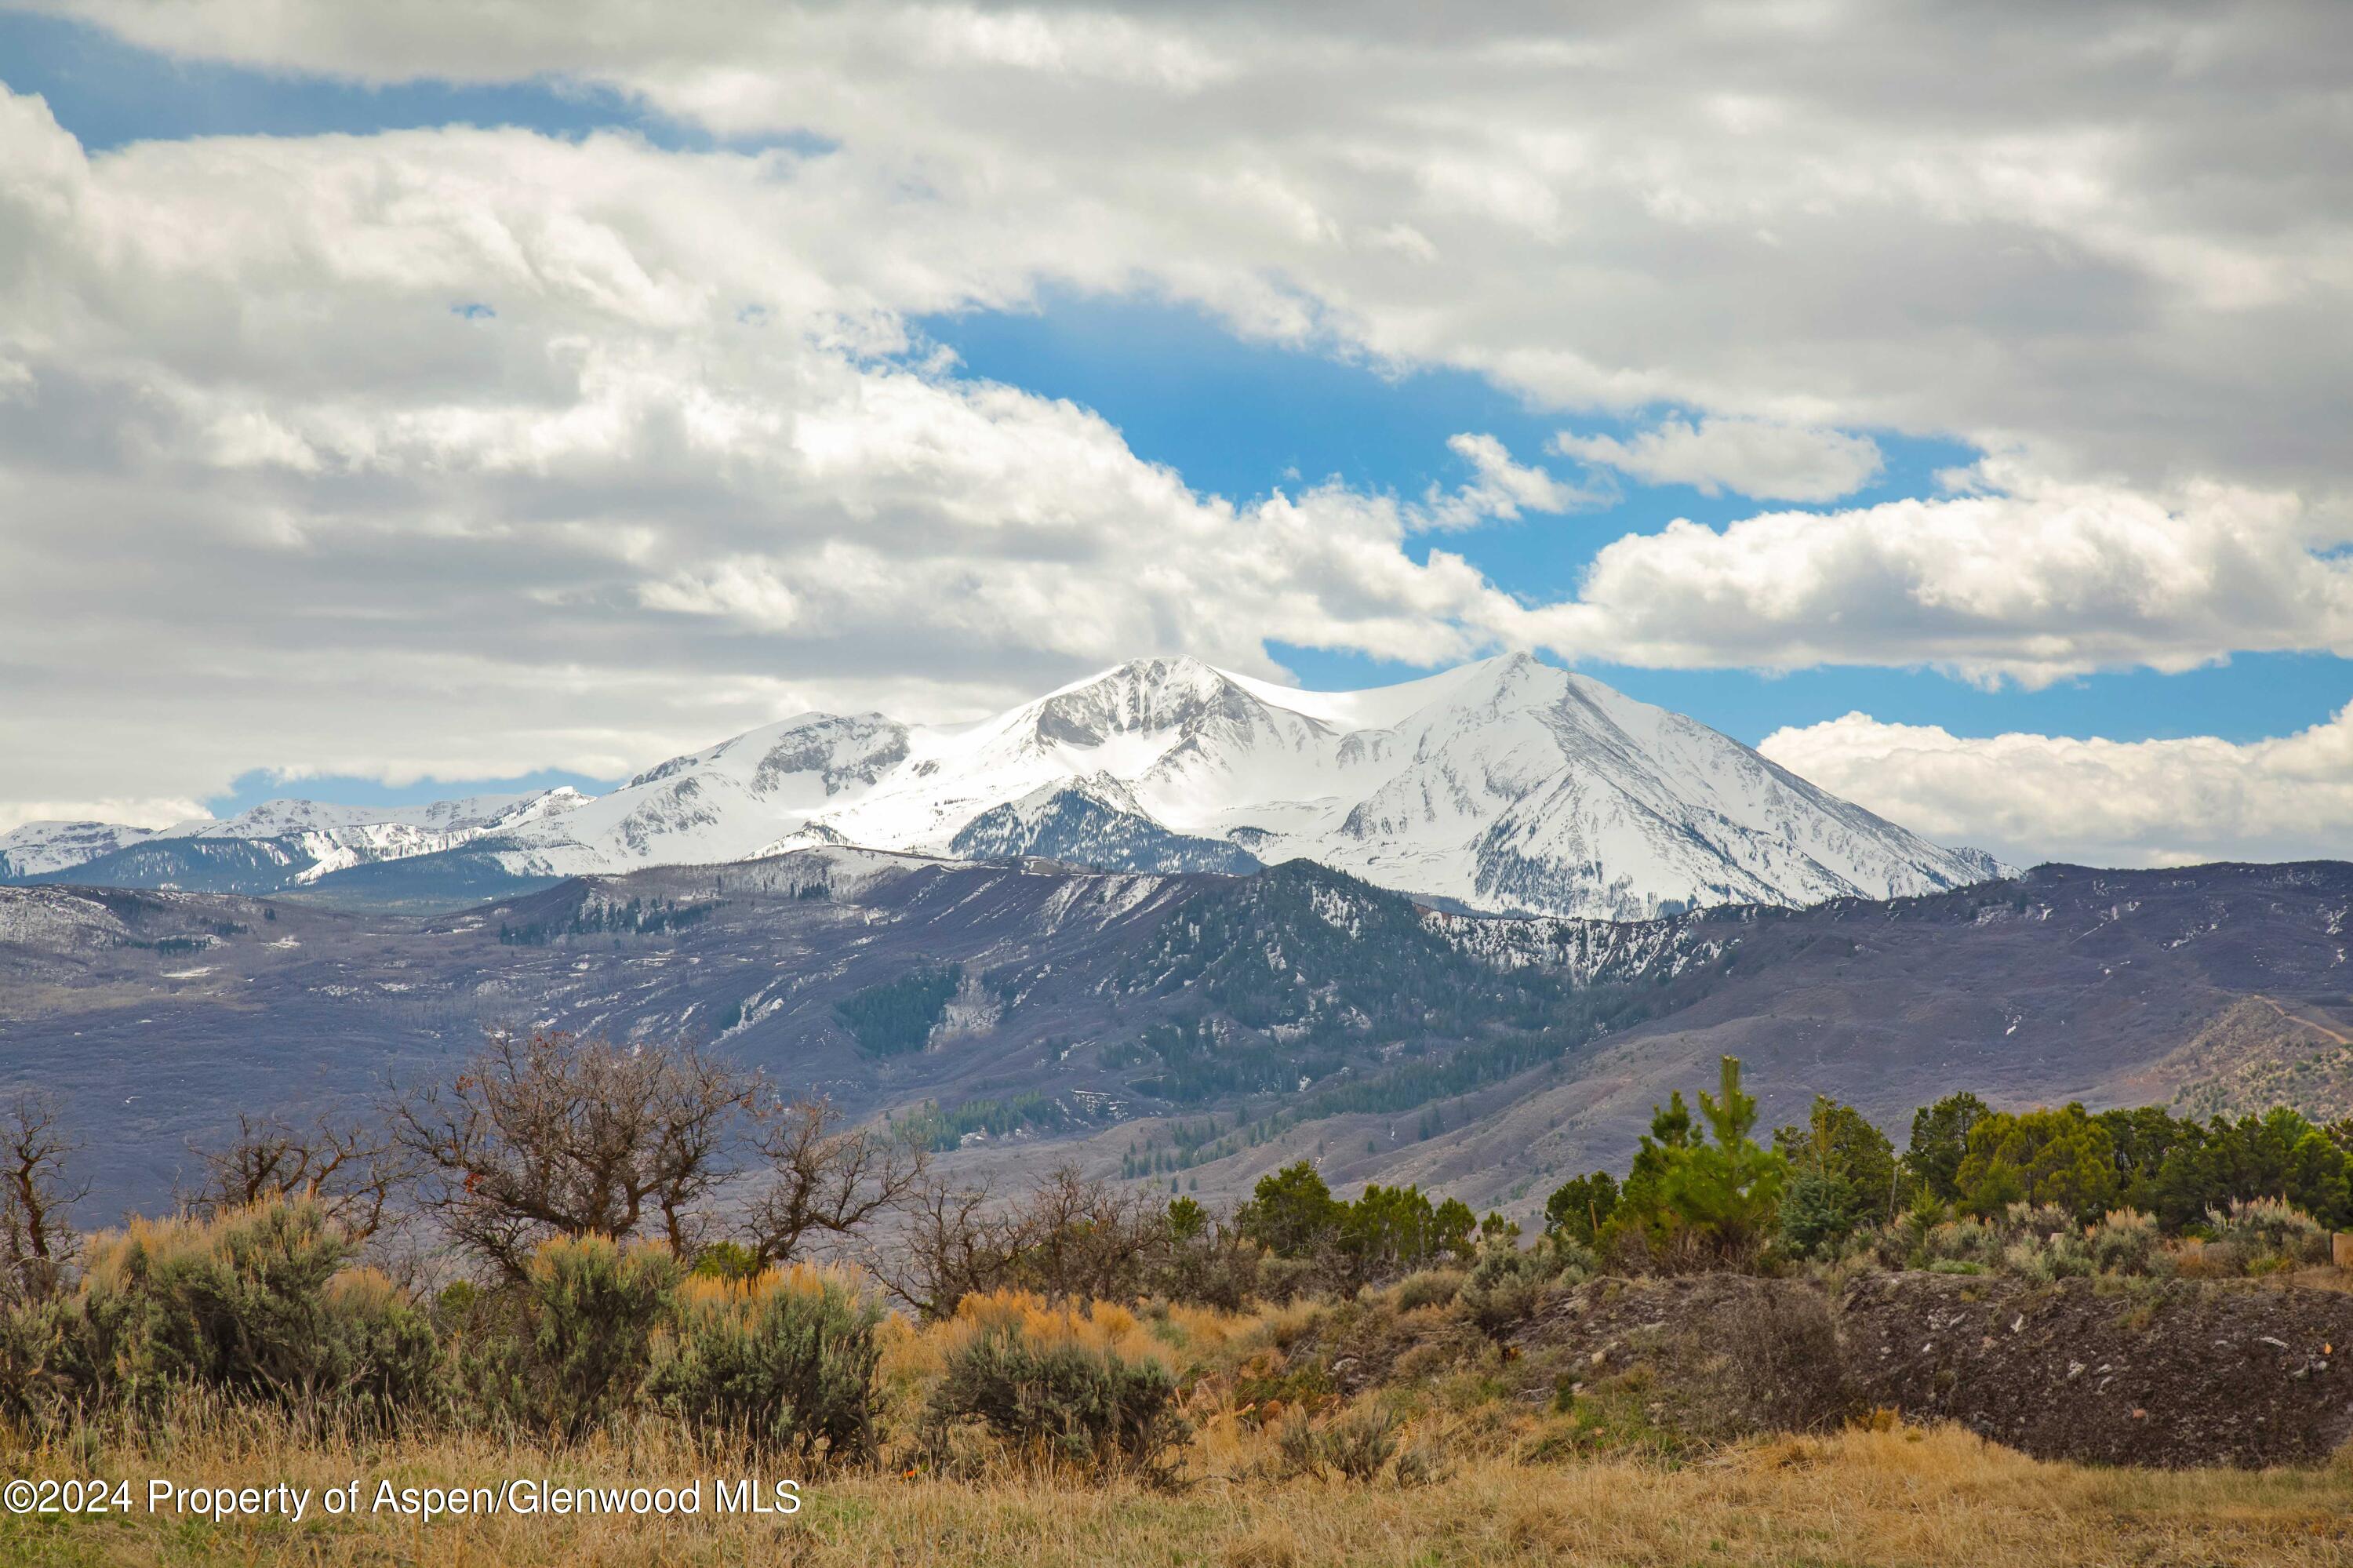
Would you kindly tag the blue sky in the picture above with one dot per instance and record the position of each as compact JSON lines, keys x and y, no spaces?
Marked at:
{"x":1234,"y":418}
{"x":1239,"y":419}
{"x":108,"y":93}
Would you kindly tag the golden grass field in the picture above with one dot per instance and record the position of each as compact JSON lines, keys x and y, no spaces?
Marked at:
{"x":1508,"y":1481}
{"x":1889,"y":1496}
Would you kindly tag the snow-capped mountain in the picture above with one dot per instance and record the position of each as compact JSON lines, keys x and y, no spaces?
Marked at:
{"x":1501,"y":785}
{"x":309,"y":839}
{"x":337,"y":838}
{"x":1504,"y":785}
{"x":37,"y":848}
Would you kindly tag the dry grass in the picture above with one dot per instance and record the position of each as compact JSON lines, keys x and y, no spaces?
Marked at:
{"x":1894,"y":1496}
{"x":1515,"y":1482}
{"x":1178,"y":1337}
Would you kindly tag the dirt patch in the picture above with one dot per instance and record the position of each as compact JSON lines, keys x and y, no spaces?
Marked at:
{"x":2150,"y":1372}
{"x":1729,"y":1354}
{"x":1360,"y":1345}
{"x":2147,"y":1373}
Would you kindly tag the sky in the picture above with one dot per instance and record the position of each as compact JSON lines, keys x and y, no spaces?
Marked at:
{"x":400,"y":402}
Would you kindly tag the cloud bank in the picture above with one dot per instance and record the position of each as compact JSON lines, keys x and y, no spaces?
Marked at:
{"x":461,"y":452}
{"x":2033,"y":797}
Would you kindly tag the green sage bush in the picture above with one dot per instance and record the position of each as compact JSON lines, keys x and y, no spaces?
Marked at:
{"x":785,"y":1361}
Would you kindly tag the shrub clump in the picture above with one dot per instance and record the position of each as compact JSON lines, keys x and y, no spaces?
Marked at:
{"x":2126,"y":1240}
{"x":2266,"y":1233}
{"x":257,"y":1304}
{"x":2043,"y":1243}
{"x":1064,"y":1401}
{"x":1430,"y":1288}
{"x":591,"y":1309}
{"x":1354,"y":1446}
{"x":1505,"y":1286}
{"x":784,"y":1360}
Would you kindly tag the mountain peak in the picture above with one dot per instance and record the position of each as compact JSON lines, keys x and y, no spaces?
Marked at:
{"x":1506,"y":784}
{"x":1141,"y":696}
{"x":1157,"y":672}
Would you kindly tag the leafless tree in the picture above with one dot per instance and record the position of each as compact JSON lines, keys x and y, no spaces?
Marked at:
{"x":37,"y":1241}
{"x":1082,"y":1239}
{"x":349,"y":1165}
{"x":825,"y":1181}
{"x":1067,"y":1237}
{"x":955,"y":1240}
{"x":561,"y":1134}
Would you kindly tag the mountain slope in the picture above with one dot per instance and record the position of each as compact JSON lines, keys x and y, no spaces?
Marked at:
{"x":1502,"y":786}
{"x":1506,"y":785}
{"x":1222,"y":1024}
{"x":275,"y":846}
{"x":37,"y":848}
{"x":1092,"y":822}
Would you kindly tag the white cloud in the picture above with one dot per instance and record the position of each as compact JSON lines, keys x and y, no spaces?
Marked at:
{"x":1767,"y":459}
{"x":273,"y":502}
{"x":129,"y":814}
{"x":275,"y":493}
{"x":2123,"y":241}
{"x":2033,"y":581}
{"x":2036,"y":796}
{"x":1499,"y":489}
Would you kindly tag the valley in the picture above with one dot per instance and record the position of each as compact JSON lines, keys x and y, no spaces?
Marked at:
{"x":1195,"y":1028}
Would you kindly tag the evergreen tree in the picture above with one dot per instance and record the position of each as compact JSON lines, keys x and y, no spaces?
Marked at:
{"x":1940,"y":1141}
{"x":1818,"y":1213}
{"x":2278,"y":1154}
{"x":1579,"y":1207}
{"x":1846,"y":1170}
{"x":1452,"y":1229}
{"x":2145,"y":1137}
{"x":1719,"y":1194}
{"x":1292,"y":1213}
{"x":2061,"y":1156}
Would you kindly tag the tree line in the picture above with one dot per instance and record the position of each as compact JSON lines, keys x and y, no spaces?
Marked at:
{"x":1705,"y":1188}
{"x":557,"y":1138}
{"x":550,"y":1136}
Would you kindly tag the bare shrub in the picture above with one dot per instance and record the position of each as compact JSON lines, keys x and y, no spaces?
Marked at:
{"x":349,"y":1165}
{"x":1069,"y":1239}
{"x":1083,"y":1240}
{"x":825,"y":1181}
{"x":557,"y":1134}
{"x":955,"y":1241}
{"x":1765,"y":1358}
{"x":1211,"y":1265}
{"x":39,"y":1245}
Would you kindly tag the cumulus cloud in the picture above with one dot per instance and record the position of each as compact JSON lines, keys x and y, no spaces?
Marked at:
{"x":2031,"y":581}
{"x":2118,"y":234}
{"x":1500,"y":489}
{"x":460,"y":453}
{"x":2033,"y":797}
{"x":274,"y":503}
{"x":1763,"y":457}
